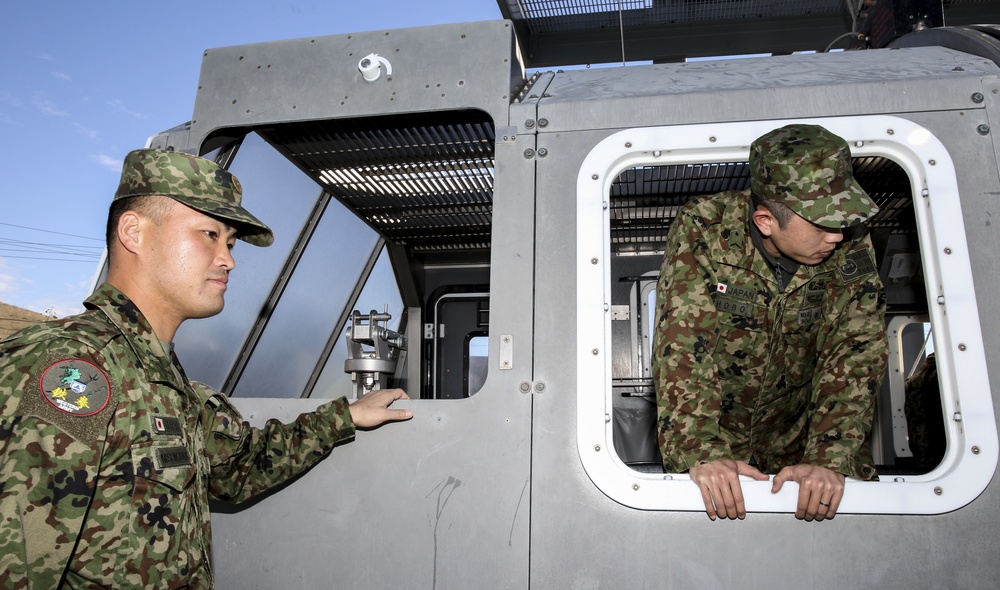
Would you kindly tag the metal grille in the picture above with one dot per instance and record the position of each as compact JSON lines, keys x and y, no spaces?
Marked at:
{"x":423,"y":181}
{"x":645,"y":200}
{"x":575,"y":15}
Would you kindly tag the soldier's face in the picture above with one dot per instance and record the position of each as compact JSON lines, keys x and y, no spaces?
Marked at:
{"x":799,"y":240}
{"x":191,"y":260}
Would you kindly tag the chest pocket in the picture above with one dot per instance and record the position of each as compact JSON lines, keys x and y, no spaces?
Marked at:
{"x":799,"y":333}
{"x":742,"y":335}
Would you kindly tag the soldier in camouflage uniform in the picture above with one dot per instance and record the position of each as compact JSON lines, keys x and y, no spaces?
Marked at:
{"x":770,"y":343}
{"x":108,"y":453}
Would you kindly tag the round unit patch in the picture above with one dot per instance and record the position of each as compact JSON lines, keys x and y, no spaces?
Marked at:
{"x":75,"y":387}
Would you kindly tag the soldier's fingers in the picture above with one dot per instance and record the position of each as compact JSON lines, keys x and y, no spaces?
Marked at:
{"x":739,"y":507}
{"x":706,"y":497}
{"x":834,"y":502}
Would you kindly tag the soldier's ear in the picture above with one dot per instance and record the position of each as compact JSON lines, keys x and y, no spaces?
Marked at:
{"x":130,"y":226}
{"x":764,"y":221}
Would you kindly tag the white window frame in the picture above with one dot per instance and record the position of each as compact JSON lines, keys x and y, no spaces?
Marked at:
{"x":971,"y":459}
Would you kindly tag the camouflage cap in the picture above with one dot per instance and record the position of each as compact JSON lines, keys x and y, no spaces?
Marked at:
{"x":198,"y":183}
{"x":809,"y":169}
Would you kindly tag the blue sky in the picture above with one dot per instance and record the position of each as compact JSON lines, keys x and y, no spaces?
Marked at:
{"x":84,"y":83}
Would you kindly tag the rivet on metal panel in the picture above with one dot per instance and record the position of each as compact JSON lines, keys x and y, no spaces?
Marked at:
{"x":962,"y":347}
{"x":712,"y":139}
{"x":543,"y":122}
{"x":594,"y":177}
{"x":539,"y":387}
{"x":938,"y":490}
{"x":947,"y":250}
{"x":542,"y":152}
{"x":635,"y":487}
{"x":977,"y":97}
{"x":628,"y":144}
{"x":597,"y":448}
{"x":983,"y":129}
{"x":530,"y":123}
{"x":529,"y":153}
{"x":593,"y":261}
{"x":975,"y":450}
{"x":932,"y":162}
{"x":595,"y":352}
{"x":890,"y":132}
{"x":524,"y":387}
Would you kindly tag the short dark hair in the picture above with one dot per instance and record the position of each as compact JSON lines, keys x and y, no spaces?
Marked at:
{"x":779,"y":211}
{"x":152,"y":206}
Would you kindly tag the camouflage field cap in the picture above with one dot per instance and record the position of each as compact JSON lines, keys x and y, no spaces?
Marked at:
{"x":198,"y":183}
{"x":809,"y":169}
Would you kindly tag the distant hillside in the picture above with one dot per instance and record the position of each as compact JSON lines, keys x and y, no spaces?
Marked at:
{"x":13,"y":319}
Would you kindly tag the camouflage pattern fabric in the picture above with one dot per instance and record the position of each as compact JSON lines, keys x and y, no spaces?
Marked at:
{"x":109,"y":455}
{"x":745,"y":372}
{"x":198,"y":183}
{"x":809,"y":169}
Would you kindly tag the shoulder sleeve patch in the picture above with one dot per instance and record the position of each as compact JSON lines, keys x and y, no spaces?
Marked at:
{"x":75,"y":387}
{"x":857,"y":264}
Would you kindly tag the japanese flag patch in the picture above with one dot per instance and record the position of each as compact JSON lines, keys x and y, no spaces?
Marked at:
{"x":75,"y":387}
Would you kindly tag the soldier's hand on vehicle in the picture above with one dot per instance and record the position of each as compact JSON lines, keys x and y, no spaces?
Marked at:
{"x":719,"y":482}
{"x":820,"y":490}
{"x":372,"y":408}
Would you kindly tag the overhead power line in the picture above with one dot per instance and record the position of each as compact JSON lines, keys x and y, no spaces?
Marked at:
{"x":52,"y":232}
{"x":59,"y":251}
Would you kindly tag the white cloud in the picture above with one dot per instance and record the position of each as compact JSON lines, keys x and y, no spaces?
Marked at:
{"x":10,"y":99}
{"x":45,"y":57}
{"x":47,"y":106}
{"x":61,"y":76}
{"x":85,"y":131}
{"x":7,"y":284}
{"x":119,"y":107}
{"x":110,"y":162}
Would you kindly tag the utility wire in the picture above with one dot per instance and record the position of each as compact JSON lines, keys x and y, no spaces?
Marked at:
{"x":71,"y":252}
{"x":51,"y":232}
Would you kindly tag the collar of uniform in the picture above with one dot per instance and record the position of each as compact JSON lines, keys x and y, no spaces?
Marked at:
{"x":123,"y":313}
{"x":737,"y":247}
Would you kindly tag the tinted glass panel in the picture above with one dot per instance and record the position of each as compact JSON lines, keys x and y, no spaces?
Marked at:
{"x":278,"y":194}
{"x":310,"y":307}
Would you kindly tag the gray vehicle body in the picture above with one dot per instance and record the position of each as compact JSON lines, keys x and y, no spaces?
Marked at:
{"x":526,"y":212}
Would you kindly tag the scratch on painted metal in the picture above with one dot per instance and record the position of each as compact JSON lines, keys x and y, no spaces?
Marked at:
{"x":520,"y":498}
{"x":444,"y":490}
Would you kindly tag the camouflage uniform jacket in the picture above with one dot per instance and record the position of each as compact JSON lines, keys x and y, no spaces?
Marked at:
{"x":109,"y":455}
{"x":743,"y":371}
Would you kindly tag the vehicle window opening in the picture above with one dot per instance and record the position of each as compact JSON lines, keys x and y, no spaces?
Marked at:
{"x":645,"y":199}
{"x":419,"y":183}
{"x":477,"y":348}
